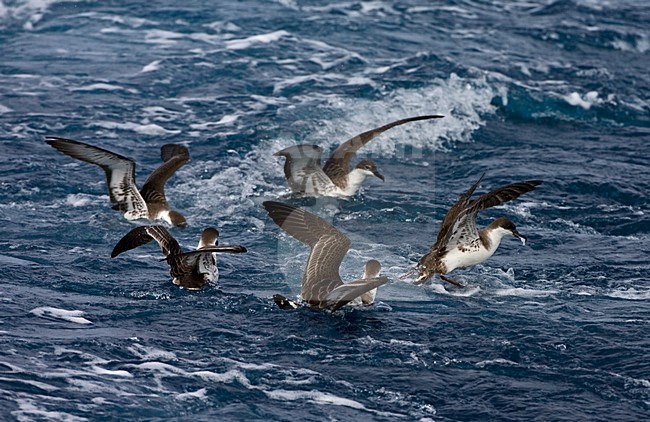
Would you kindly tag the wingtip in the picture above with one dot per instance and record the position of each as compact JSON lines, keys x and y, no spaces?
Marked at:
{"x":169,"y":151}
{"x":53,"y":140}
{"x":272,"y":206}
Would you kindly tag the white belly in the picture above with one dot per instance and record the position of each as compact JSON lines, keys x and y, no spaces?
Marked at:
{"x":457,"y":259}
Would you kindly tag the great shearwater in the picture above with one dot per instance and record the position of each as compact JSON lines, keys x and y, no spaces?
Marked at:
{"x":322,"y":286}
{"x":460,"y":243}
{"x":191,"y":270}
{"x":149,"y":202}
{"x":304,"y":174}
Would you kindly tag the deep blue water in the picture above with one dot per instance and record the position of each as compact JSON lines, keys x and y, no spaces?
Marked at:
{"x":552,"y":90}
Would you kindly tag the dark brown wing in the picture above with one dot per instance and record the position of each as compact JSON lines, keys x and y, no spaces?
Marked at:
{"x":328,"y":248}
{"x":451,"y":218}
{"x":338,"y":165}
{"x":120,"y":173}
{"x":174,"y":156}
{"x":500,"y":195}
{"x":145,"y":234}
{"x":464,"y":228}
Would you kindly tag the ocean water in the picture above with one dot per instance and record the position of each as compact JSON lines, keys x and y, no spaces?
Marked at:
{"x":531,"y":89}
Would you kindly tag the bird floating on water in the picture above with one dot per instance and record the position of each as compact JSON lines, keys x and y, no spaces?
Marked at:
{"x":322,"y":286}
{"x":191,"y":270}
{"x":460,"y":243}
{"x":304,"y":174}
{"x":150,"y":202}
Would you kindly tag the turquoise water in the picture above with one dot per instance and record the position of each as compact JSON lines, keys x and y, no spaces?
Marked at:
{"x":551,"y":90}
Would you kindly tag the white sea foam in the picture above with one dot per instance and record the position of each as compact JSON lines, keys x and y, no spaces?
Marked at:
{"x":29,"y":409}
{"x":228,"y":119}
{"x":227,"y":377}
{"x":118,"y":373}
{"x":498,"y":361}
{"x":151,"y":353}
{"x":130,"y":21}
{"x":630,"y":294}
{"x":314,"y":396}
{"x":70,"y":316}
{"x":521,"y":292}
{"x":354,"y":9}
{"x":101,"y":86}
{"x":328,"y":56}
{"x":83,"y":199}
{"x":464,"y":13}
{"x":198,"y":394}
{"x":243,"y":43}
{"x":31,"y":11}
{"x":339,"y":79}
{"x":153,"y":66}
{"x":587,"y":100}
{"x":151,"y":129}
{"x":163,"y":368}
{"x":468,"y":291}
{"x":641,"y":46}
{"x":322,"y":398}
{"x":166,"y":370}
{"x":4,"y":109}
{"x":575,"y":227}
{"x":158,"y":36}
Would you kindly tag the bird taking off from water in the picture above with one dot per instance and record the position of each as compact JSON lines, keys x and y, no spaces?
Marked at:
{"x":460,"y":243}
{"x":304,"y":174}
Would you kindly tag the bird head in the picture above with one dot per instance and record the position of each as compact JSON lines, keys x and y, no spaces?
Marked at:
{"x":508,"y":227}
{"x":370,"y":168}
{"x":176,"y":219}
{"x":209,"y":237}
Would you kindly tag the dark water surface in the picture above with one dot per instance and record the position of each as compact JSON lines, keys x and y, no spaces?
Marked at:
{"x":552,"y":90}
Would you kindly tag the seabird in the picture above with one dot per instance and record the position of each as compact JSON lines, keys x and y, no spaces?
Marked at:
{"x":149,"y":202}
{"x":191,"y":270}
{"x":322,"y":286}
{"x":460,"y":243}
{"x":304,"y":174}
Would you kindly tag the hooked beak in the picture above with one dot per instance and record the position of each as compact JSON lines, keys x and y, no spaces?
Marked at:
{"x":379,"y":175}
{"x":520,"y":236}
{"x":422,"y":277}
